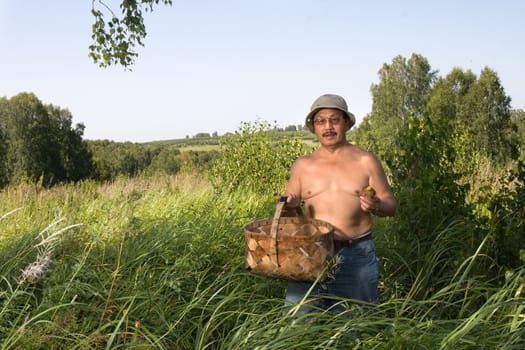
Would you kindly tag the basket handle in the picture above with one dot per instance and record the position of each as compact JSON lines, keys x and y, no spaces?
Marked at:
{"x":273,"y":231}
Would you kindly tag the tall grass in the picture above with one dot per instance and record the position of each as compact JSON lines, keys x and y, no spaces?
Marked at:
{"x":157,"y":263}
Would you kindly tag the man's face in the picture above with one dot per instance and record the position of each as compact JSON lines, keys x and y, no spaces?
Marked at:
{"x":330,"y":126}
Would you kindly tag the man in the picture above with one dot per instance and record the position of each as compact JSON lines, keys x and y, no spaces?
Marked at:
{"x":334,"y":183}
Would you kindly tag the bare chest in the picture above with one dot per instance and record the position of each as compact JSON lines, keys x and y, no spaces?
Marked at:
{"x":333,"y":177}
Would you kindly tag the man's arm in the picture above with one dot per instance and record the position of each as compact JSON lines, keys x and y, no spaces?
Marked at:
{"x":293,"y":189}
{"x":383,"y":203}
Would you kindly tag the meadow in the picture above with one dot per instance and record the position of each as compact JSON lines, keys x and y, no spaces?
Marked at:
{"x":157,"y":262}
{"x":107,"y":245}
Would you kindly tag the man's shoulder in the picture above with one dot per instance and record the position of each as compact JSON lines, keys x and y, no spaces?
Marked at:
{"x":352,"y":152}
{"x":306,"y":158}
{"x":358,"y":151}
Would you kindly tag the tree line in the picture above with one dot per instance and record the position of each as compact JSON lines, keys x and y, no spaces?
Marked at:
{"x":39,"y":143}
{"x":421,"y":124}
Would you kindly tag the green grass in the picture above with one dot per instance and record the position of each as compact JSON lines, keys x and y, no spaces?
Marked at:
{"x":157,"y":263}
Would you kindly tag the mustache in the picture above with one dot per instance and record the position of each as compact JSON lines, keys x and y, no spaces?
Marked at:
{"x":329,"y":132}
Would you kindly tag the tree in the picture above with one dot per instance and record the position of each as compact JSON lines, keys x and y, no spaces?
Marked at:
{"x":402,"y":132}
{"x":487,"y":114}
{"x":121,"y":158}
{"x":3,"y":147}
{"x":115,"y":39}
{"x":40,"y":143}
{"x":518,"y":117}
{"x":477,"y":114}
{"x":75,"y":157}
{"x":166,"y":161}
{"x":24,"y":118}
{"x":402,"y":92}
{"x":444,"y":108}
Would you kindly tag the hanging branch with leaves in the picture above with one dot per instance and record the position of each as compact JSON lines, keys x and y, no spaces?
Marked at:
{"x":115,"y":39}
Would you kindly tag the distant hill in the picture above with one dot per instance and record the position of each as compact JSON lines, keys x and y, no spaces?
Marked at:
{"x":203,"y":141}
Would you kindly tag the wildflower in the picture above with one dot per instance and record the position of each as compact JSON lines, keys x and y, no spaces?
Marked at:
{"x":34,"y":271}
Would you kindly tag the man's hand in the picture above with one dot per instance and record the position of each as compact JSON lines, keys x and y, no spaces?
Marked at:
{"x":292,"y":200}
{"x":292,"y":207}
{"x":369,"y":202}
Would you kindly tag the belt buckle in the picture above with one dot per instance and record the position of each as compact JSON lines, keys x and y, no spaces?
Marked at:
{"x":342,"y":244}
{"x":351,"y":241}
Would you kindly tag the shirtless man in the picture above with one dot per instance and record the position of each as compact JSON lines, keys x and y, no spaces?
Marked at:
{"x":331,"y":182}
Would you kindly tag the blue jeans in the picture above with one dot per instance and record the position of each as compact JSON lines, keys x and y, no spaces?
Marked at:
{"x":356,"y":277}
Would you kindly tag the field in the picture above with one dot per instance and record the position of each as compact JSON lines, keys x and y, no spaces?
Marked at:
{"x":158,"y":263}
{"x":212,"y":143}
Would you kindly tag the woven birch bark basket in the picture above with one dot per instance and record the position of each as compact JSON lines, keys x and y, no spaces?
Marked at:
{"x":291,"y":248}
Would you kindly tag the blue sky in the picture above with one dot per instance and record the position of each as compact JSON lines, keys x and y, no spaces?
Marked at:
{"x":207,"y":65}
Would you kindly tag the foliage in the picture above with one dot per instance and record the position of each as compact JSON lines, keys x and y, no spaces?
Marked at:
{"x":437,"y":136}
{"x":401,"y":94}
{"x":413,"y":146}
{"x":501,"y":215}
{"x":113,"y":158}
{"x":3,"y":155}
{"x":256,"y":159}
{"x":167,"y":161}
{"x":422,"y":173}
{"x":478,"y":111}
{"x":38,"y":141}
{"x":518,"y":117}
{"x":114,"y":40}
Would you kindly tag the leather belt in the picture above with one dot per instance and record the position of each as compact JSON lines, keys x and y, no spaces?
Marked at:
{"x":350,"y":242}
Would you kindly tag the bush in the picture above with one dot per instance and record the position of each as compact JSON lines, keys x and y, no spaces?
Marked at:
{"x":255,"y":158}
